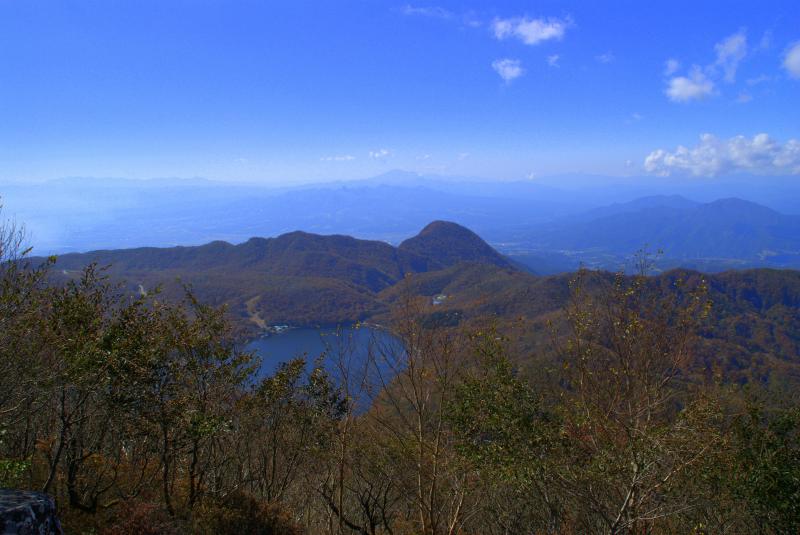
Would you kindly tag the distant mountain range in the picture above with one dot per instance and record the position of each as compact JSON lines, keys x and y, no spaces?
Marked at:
{"x":550,"y":225}
{"x":723,"y":234}
{"x":81,"y":214}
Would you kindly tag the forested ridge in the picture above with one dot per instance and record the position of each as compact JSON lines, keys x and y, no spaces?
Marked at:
{"x":303,"y":279}
{"x":588,"y":403}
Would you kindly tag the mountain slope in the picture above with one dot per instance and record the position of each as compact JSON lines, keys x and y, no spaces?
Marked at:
{"x":297,"y":278}
{"x":447,"y":244}
{"x":637,"y":205}
{"x":371,"y":264}
{"x":731,"y":229}
{"x":751,"y":334}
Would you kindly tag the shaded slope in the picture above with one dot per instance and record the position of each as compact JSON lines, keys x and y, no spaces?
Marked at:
{"x":371,"y":264}
{"x":445,"y":244}
{"x":297,"y":278}
{"x":726,"y":228}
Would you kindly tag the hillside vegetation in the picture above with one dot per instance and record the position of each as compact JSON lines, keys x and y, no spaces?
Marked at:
{"x":297,"y":278}
{"x":583,"y":403}
{"x":304,"y":279}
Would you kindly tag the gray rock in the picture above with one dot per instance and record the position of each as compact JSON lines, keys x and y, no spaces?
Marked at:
{"x":28,"y":513}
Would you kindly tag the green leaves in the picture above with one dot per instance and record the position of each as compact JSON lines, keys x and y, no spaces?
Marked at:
{"x":498,"y":419}
{"x":767,"y":475}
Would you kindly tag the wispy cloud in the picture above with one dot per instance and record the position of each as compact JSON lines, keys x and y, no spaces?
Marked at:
{"x":730,"y":51}
{"x":468,"y":19}
{"x":671,"y":66}
{"x":758,"y":80}
{"x":696,"y":86}
{"x":471,"y":20}
{"x":508,"y":69}
{"x":380,"y":154}
{"x":426,"y":11}
{"x":338,"y":158}
{"x":791,"y":61}
{"x":701,"y":82}
{"x":530,"y":31}
{"x":766,"y":40}
{"x":608,"y":57}
{"x":712,"y":156}
{"x":634,"y":118}
{"x":553,"y":60}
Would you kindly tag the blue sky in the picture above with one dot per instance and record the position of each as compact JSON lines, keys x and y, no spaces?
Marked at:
{"x":287,"y":92}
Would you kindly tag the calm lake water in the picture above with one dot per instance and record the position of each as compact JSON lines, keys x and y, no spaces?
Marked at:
{"x":355,"y":344}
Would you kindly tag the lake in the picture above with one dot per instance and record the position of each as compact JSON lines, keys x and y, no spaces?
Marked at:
{"x":355,"y":344}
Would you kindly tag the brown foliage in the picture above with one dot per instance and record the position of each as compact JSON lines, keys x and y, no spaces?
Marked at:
{"x":243,"y":514}
{"x":141,"y":518}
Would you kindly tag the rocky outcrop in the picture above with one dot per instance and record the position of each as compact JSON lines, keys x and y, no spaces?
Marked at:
{"x":28,"y":513}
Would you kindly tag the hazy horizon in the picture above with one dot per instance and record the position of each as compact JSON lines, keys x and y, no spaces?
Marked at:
{"x":567,"y":178}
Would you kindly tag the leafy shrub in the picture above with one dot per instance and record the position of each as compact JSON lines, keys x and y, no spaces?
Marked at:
{"x":243,"y":514}
{"x":142,"y":518}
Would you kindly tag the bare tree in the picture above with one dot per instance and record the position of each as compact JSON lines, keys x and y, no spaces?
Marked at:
{"x":632,"y":430}
{"x":415,"y":382}
{"x":20,"y":313}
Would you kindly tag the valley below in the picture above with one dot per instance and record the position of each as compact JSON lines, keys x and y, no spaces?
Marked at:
{"x":306,"y":282}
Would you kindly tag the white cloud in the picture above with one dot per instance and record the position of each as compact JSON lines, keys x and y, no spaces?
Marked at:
{"x":427,"y":11}
{"x":608,"y":57}
{"x":463,"y":156}
{"x":530,"y":31}
{"x":467,"y":19}
{"x":699,"y":83}
{"x":380,"y":154}
{"x":508,"y":69}
{"x":553,"y":60}
{"x":744,"y":97}
{"x":671,"y":66}
{"x":696,"y":86}
{"x":792,"y":60}
{"x":338,"y":158}
{"x":712,"y":156}
{"x":730,"y":51}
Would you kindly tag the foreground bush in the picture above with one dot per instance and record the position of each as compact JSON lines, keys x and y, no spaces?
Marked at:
{"x":242,"y":514}
{"x":141,"y":518}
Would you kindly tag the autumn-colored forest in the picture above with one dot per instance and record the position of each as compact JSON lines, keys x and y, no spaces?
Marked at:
{"x":141,"y":414}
